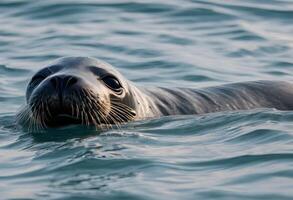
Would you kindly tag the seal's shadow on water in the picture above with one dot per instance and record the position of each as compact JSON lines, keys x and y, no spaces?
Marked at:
{"x":65,"y":133}
{"x":80,"y":132}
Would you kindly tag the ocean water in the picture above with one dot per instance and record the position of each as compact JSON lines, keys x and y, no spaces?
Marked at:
{"x":186,"y":43}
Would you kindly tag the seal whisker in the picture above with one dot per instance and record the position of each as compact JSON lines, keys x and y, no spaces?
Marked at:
{"x":96,"y":123}
{"x":97,"y":117}
{"x":72,"y":108}
{"x":84,"y":106}
{"x":115,"y":122}
{"x":116,"y":115}
{"x":119,"y":104}
{"x":36,"y":117}
{"x":119,"y":113}
{"x":40,"y":115}
{"x":43,"y":116}
{"x":106,"y":122}
{"x":122,"y":110}
{"x":25,"y":117}
{"x":37,"y":122}
{"x":81,"y":109}
{"x":76,"y":105}
{"x":89,"y":104}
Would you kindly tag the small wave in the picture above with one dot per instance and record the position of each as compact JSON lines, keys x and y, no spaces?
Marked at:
{"x":241,"y":161}
{"x":259,"y":136}
{"x":121,"y":133}
{"x":4,"y":70}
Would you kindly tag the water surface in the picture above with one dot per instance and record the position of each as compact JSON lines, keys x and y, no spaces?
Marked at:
{"x":187,"y":43}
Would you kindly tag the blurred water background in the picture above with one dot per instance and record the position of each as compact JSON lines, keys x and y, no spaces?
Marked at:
{"x":187,"y":43}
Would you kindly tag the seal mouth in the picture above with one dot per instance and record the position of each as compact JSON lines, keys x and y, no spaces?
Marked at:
{"x":82,"y":107}
{"x":63,"y":120}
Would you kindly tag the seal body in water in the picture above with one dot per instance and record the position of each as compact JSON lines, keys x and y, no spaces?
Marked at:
{"x":82,"y":90}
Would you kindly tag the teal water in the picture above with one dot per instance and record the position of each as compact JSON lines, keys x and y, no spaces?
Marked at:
{"x":187,"y":43}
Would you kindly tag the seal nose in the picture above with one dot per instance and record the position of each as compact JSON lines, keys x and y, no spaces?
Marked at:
{"x":63,"y":81}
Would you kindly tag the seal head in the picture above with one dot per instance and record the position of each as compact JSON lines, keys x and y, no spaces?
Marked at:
{"x":79,"y":90}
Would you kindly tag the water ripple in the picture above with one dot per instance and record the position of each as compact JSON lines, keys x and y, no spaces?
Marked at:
{"x":175,"y":43}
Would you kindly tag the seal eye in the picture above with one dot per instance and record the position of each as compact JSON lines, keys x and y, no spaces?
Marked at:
{"x":112,"y":83}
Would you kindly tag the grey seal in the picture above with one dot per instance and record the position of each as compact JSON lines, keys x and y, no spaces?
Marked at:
{"x":87,"y":91}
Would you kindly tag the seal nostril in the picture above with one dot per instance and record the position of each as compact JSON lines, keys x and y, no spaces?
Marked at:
{"x":54,"y":82}
{"x":63,"y":81}
{"x":70,"y":81}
